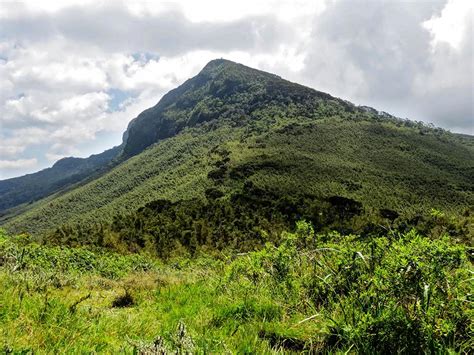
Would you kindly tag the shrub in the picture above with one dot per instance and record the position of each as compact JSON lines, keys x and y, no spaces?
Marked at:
{"x":400,"y":293}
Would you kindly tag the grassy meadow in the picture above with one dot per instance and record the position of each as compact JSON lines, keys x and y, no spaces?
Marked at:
{"x":331,"y":293}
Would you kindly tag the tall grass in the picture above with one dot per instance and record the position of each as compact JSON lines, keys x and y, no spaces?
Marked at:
{"x":401,"y":293}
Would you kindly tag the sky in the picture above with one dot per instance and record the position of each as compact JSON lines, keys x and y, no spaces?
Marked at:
{"x":74,"y":73}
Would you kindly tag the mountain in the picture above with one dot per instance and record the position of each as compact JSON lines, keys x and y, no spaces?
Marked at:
{"x":178,"y":109}
{"x":222,"y":89}
{"x":233,"y":129}
{"x":63,"y":174}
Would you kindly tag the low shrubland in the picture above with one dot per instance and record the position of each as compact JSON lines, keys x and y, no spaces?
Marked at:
{"x":308,"y":291}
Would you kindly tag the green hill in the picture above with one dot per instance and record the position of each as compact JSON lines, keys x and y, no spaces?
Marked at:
{"x":63,"y":174}
{"x":232,"y":127}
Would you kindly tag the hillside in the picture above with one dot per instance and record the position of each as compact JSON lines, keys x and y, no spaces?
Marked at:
{"x":64,"y":173}
{"x":231,"y":127}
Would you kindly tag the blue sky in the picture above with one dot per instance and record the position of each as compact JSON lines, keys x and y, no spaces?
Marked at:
{"x":74,"y":73}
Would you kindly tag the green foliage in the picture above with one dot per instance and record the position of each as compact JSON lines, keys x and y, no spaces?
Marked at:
{"x":232,"y":126}
{"x":404,"y":293}
{"x":244,"y":221}
{"x":311,"y":292}
{"x":19,"y":253}
{"x":379,"y":261}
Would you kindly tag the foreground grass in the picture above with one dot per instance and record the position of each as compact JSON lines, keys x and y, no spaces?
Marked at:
{"x":53,"y":302}
{"x":311,"y":293}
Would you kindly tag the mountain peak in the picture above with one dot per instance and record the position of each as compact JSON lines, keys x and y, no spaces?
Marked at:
{"x":218,"y":62}
{"x":240,"y":71}
{"x":222,"y":89}
{"x":226,"y":64}
{"x":218,"y":66}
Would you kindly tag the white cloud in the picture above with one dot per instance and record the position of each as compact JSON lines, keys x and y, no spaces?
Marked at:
{"x":20,"y":139}
{"x":450,"y":26}
{"x":20,"y":163}
{"x":220,"y":11}
{"x":8,"y":150}
{"x":38,"y":68}
{"x":62,"y":67}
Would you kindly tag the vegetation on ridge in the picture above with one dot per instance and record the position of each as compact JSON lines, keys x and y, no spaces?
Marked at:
{"x":358,"y":160}
{"x":63,"y":174}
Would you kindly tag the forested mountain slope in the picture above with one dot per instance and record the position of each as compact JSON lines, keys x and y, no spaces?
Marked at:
{"x":223,"y":89}
{"x":64,"y":173}
{"x":232,"y":127}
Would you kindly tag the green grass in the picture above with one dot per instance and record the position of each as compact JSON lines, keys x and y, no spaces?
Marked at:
{"x":330,"y":293}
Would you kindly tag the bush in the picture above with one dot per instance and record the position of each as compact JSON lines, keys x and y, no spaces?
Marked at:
{"x":400,"y":293}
